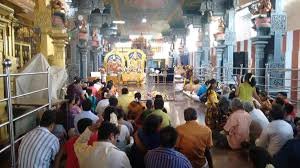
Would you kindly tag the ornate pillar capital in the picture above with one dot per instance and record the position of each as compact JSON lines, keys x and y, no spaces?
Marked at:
{"x":59,"y":37}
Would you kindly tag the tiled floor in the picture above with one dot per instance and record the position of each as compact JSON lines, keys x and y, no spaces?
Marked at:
{"x":222,"y":158}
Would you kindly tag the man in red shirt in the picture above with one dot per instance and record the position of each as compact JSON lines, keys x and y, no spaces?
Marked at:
{"x":68,"y":148}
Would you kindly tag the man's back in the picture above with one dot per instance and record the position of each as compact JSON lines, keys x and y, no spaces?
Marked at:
{"x":166,"y":119}
{"x":193,"y":139}
{"x":166,"y":158}
{"x":102,"y":104}
{"x":106,"y":155}
{"x":258,"y":116}
{"x":275,"y":135}
{"x":124,"y":100}
{"x":238,"y":126}
{"x":85,"y":114}
{"x":38,"y":149}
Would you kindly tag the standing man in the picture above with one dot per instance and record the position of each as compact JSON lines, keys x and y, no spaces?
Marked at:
{"x":39,"y":147}
{"x":195,"y":145}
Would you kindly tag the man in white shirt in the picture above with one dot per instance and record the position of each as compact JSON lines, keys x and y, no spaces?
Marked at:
{"x":259,"y":120}
{"x":277,"y":133}
{"x":86,"y":113}
{"x":108,"y":101}
{"x":104,"y":153}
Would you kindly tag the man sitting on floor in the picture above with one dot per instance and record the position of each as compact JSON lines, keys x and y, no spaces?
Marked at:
{"x":195,"y":145}
{"x":104,"y":153}
{"x":158,"y":106}
{"x":86,"y":113}
{"x":39,"y":147}
{"x":277,"y":133}
{"x":166,"y":156}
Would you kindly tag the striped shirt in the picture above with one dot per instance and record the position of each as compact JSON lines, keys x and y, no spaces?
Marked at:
{"x":166,"y":158}
{"x":38,"y":149}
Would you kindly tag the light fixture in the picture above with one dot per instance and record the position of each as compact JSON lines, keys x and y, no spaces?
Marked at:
{"x":144,"y":20}
{"x":119,"y":22}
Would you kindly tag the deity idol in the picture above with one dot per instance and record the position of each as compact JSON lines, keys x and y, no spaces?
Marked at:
{"x":95,"y":40}
{"x":83,"y":35}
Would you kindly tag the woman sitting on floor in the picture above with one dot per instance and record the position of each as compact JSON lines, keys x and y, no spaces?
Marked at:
{"x":135,"y":108}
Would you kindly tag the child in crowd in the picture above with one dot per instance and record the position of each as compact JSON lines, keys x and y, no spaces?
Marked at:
{"x":265,"y":103}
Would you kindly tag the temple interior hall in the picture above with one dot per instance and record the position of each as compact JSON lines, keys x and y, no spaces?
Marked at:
{"x":149,"y":83}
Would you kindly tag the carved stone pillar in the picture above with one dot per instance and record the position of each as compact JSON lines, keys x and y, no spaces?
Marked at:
{"x":260,"y":43}
{"x":229,"y":42}
{"x":59,"y":37}
{"x":83,"y":51}
{"x":206,"y":45}
{"x":220,"y":52}
{"x":95,"y":52}
{"x":74,"y":66}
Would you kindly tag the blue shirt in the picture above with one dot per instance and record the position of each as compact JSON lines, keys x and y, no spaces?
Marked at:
{"x":202,"y":90}
{"x":289,"y":155}
{"x":166,"y":158}
{"x":38,"y":149}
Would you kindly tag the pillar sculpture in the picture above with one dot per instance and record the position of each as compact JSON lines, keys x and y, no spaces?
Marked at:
{"x":58,"y":33}
{"x":96,"y":21}
{"x":262,"y":26}
{"x":220,"y":38}
{"x":83,"y":48}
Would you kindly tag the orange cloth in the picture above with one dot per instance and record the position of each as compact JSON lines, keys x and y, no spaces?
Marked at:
{"x":134,"y":110}
{"x":193,"y":139}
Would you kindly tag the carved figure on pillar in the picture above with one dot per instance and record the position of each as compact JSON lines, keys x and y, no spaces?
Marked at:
{"x":83,"y":33}
{"x":220,"y":35}
{"x":260,"y":12}
{"x":58,"y":13}
{"x":95,"y":39}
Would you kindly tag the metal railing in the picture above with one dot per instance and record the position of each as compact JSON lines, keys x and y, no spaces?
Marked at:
{"x":9,"y":99}
{"x":274,"y":79}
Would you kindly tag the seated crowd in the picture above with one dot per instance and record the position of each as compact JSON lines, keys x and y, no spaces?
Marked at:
{"x":119,"y":131}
